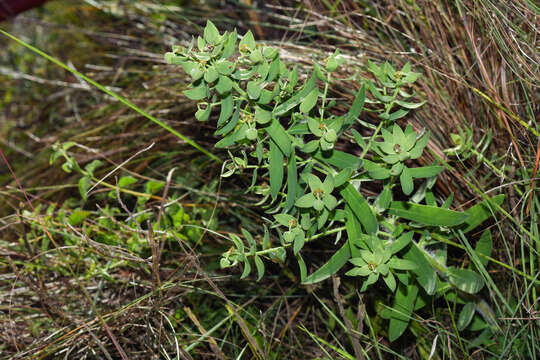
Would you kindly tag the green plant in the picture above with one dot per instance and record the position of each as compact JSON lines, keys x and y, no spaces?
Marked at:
{"x":282,"y":128}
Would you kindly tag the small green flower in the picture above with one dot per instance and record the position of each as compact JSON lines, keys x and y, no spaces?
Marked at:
{"x":380,"y":260}
{"x":294,"y":234}
{"x":373,"y":264}
{"x":320,"y":196}
{"x":326,"y":132}
{"x":400,"y":146}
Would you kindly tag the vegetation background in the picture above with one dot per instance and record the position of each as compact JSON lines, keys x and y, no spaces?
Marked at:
{"x":77,"y":280}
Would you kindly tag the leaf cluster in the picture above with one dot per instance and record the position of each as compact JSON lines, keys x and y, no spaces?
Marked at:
{"x":279,"y":121}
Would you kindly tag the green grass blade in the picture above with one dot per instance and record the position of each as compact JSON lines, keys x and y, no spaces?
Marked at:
{"x":118,"y":97}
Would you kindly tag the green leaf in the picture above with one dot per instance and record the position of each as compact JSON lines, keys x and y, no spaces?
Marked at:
{"x":269,"y":52}
{"x":401,"y":242}
{"x":284,"y":107}
{"x":310,"y":146}
{"x":189,"y":66}
{"x":292,"y":182}
{"x":314,"y":126}
{"x":335,"y":263}
{"x":330,"y":202}
{"x":78,"y":216}
{"x":354,"y":232}
{"x":211,"y":75}
{"x":227,"y":108}
{"x":247,"y":41}
{"x":302,"y":267}
{"x":397,"y":115}
{"x":390,"y":281}
{"x":256,"y":57}
{"x":305,"y":201}
{"x":425,"y":171}
{"x":399,"y":136}
{"x":317,"y":70}
{"x":203,"y":114}
{"x":309,"y":101}
{"x":253,"y":89}
{"x":417,"y":150}
{"x":273,"y":70}
{"x":328,"y":184}
{"x":401,"y":264}
{"x":225,"y":67}
{"x":276,"y":169}
{"x":359,"y":271}
{"x":360,"y":208}
{"x":84,"y":185}
{"x":247,"y":269}
{"x":233,"y":137}
{"x":173,"y":59}
{"x":196,"y":73}
{"x":465,"y":280}
{"x":384,"y":199}
{"x":357,"y":106}
{"x":92,"y":166}
{"x":280,"y":254}
{"x":125,"y":181}
{"x":249,"y":238}
{"x":331,"y":64}
{"x":372,"y":279}
{"x":262,"y":116}
{"x":342,"y":177}
{"x":406,"y":181}
{"x":313,"y":181}
{"x":260,"y":267}
{"x":197,"y":93}
{"x":484,"y":247}
{"x":244,"y":74}
{"x":425,"y":214}
{"x":481,"y":212}
{"x":153,"y":186}
{"x":298,"y":243}
{"x":265,"y":97}
{"x":466,"y":315}
{"x":280,"y":137}
{"x":425,"y":275}
{"x":230,"y":44}
{"x":294,"y":77}
{"x":231,"y":124}
{"x":211,"y":33}
{"x":409,"y":105}
{"x":376,"y":171}
{"x":325,"y":145}
{"x":338,"y":159}
{"x":402,"y":310}
{"x":284,"y":219}
{"x":224,"y":84}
